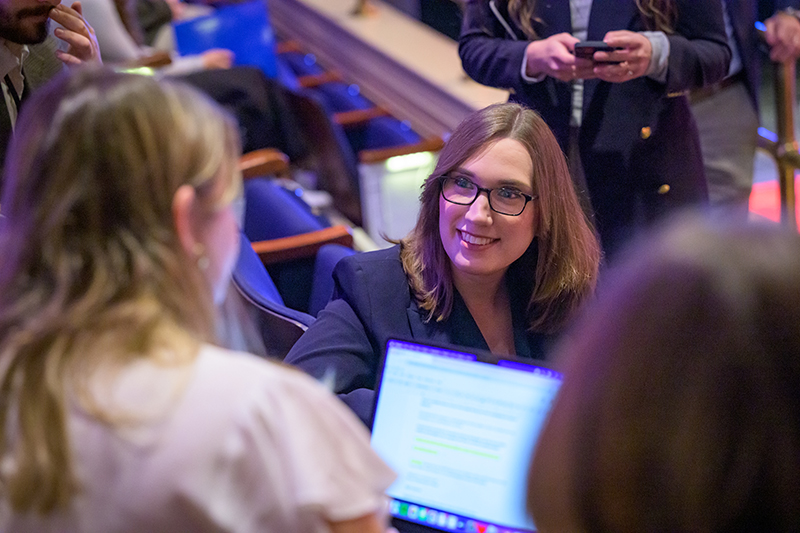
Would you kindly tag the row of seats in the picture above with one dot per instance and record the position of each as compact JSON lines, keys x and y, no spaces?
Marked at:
{"x":286,"y":283}
{"x":372,"y":129}
{"x":373,"y":139}
{"x":342,"y":127}
{"x":287,"y":250}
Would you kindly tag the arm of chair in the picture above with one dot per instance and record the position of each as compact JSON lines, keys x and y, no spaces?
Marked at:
{"x":264,"y":162}
{"x":303,"y":245}
{"x":156,"y":60}
{"x":309,"y":81}
{"x":431,"y":144}
{"x":358,"y":116}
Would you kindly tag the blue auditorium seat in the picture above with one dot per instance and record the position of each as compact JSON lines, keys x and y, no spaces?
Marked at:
{"x":322,"y":283}
{"x":251,"y":274}
{"x":338,"y":96}
{"x":272,"y":215}
{"x":286,"y":76}
{"x":381,"y":132}
{"x":274,"y":212}
{"x":301,"y":64}
{"x":279,"y":325}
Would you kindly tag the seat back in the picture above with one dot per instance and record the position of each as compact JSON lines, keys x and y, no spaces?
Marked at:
{"x":301,"y":64}
{"x":289,"y":239}
{"x":322,"y":281}
{"x":250,"y":274}
{"x":280,"y":326}
{"x":382,"y":132}
{"x":274,"y":212}
{"x":338,"y":96}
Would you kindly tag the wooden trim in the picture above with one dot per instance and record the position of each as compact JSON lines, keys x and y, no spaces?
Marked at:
{"x":301,"y":246}
{"x":431,"y":144}
{"x":264,"y":162}
{"x":358,"y":116}
{"x":310,"y":81}
{"x":291,"y":45}
{"x":155,"y":60}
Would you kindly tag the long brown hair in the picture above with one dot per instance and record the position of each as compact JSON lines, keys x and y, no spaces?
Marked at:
{"x":659,"y":15}
{"x":558,"y":271}
{"x":92,"y":270}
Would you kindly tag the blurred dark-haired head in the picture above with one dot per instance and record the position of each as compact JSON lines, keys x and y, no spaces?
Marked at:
{"x":680,"y":406}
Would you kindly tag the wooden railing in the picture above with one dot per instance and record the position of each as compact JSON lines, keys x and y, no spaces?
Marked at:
{"x":783,"y":145}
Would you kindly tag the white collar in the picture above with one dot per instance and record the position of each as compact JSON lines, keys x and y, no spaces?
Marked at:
{"x":12,"y":56}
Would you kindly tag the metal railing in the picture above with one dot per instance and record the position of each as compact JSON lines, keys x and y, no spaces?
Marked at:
{"x":783,"y":145}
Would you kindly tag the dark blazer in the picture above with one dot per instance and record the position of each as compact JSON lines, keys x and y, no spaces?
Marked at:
{"x":6,"y":130}
{"x":372,"y":303}
{"x":636,"y":136}
{"x":5,"y":137}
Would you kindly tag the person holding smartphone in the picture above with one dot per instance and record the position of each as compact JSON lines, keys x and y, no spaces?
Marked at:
{"x":622,"y":116}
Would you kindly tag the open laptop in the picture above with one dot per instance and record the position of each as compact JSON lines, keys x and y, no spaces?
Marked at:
{"x":458,"y":426}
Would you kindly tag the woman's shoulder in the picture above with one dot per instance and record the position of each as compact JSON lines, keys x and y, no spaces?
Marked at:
{"x":376,"y":259}
{"x":238,"y":375}
{"x":252,"y":395}
{"x":273,"y":407}
{"x":236,"y":421}
{"x":285,"y":414}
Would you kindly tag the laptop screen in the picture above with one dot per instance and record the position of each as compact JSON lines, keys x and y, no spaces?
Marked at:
{"x":459,"y":428}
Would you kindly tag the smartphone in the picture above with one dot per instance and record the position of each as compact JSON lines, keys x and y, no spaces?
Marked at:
{"x":586,"y":49}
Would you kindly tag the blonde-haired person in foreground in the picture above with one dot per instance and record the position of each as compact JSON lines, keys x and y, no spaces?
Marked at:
{"x":116,"y":411}
{"x":680,"y":409}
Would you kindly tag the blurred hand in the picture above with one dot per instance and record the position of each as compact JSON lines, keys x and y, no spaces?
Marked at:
{"x":77,"y":33}
{"x":630,"y":62}
{"x":783,"y":37}
{"x":217,"y":58}
{"x":555,"y":57}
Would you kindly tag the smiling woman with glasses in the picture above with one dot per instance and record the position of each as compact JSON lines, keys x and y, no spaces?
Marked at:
{"x":500,"y":259}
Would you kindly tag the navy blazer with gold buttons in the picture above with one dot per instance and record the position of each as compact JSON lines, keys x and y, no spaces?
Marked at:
{"x":638,"y":140}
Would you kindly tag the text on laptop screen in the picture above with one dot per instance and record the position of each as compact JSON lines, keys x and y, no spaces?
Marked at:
{"x":459,"y":433}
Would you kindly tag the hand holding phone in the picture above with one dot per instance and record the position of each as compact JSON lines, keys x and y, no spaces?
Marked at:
{"x":586,"y":50}
{"x":553,"y":56}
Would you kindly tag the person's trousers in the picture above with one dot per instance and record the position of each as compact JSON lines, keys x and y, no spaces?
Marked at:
{"x":728,"y":127}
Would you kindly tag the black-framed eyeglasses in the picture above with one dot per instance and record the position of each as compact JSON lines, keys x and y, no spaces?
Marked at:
{"x":459,"y":189}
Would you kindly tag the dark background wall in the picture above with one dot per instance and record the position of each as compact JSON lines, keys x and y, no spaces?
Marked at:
{"x":442,"y":15}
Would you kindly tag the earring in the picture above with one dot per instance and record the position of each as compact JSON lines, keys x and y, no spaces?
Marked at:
{"x":202,"y":258}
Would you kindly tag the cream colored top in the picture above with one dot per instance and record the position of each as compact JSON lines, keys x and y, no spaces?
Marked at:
{"x":238,"y":444}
